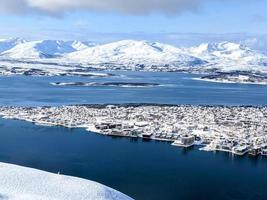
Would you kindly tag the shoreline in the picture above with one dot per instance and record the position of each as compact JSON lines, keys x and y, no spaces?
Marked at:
{"x":218,"y":127}
{"x":126,"y":105}
{"x":228,"y":82}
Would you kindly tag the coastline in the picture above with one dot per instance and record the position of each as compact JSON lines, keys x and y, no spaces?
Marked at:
{"x":228,"y":82}
{"x":221,"y":128}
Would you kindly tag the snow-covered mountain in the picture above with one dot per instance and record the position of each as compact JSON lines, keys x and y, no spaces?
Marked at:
{"x":78,"y":45}
{"x":228,"y":53}
{"x":130,"y":52}
{"x":132,"y":55}
{"x":6,"y":44}
{"x":43,"y":49}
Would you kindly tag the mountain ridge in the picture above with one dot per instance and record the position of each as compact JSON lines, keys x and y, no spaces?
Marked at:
{"x":136,"y":55}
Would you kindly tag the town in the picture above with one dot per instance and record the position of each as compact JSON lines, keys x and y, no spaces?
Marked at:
{"x":238,"y":130}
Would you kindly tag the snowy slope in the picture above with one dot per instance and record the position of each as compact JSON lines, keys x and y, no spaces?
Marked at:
{"x":130,"y":52}
{"x":79,"y":45}
{"x":6,"y":44}
{"x":43,"y":49}
{"x":131,"y":55}
{"x":228,"y":54}
{"x":21,"y":183}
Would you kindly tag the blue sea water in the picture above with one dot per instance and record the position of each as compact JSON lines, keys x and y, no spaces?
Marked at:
{"x":141,"y":169}
{"x":177,"y":88}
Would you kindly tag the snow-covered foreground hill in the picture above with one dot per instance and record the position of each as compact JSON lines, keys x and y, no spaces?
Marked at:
{"x":20,"y":55}
{"x":21,"y":183}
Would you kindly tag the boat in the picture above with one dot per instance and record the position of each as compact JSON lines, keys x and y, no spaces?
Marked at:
{"x":147,"y":135}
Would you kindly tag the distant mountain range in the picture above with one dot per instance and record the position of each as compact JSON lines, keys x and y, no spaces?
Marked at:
{"x":6,"y":44}
{"x":134,"y":55}
{"x":22,"y":49}
{"x":227,"y":55}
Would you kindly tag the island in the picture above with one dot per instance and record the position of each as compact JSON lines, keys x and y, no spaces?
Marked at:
{"x":241,"y":77}
{"x":103,"y":84}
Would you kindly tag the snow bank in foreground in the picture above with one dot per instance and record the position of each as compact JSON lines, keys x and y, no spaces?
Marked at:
{"x":22,"y":183}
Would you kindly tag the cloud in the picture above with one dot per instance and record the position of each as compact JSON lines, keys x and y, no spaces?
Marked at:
{"x":132,"y":7}
{"x":258,"y":42}
{"x":13,"y":6}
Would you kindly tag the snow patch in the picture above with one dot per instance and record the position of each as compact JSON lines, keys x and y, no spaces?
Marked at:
{"x":22,"y":183}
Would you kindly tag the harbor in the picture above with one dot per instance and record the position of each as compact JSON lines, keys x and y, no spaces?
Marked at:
{"x":84,"y":154}
{"x":238,"y":130}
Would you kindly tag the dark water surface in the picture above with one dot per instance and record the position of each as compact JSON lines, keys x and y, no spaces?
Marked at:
{"x":144,"y":170}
